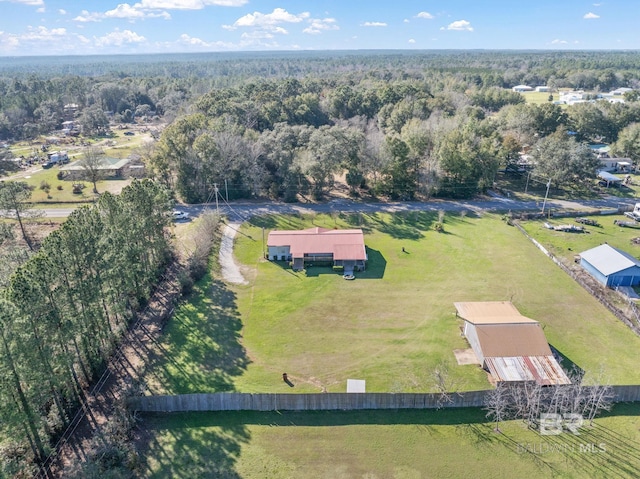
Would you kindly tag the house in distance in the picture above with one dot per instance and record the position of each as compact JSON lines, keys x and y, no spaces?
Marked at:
{"x":340,"y":248}
{"x":511,"y":347}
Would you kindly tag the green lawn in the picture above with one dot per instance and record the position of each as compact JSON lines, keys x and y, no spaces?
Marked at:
{"x":392,"y":325}
{"x":567,"y":245}
{"x":375,"y":444}
{"x":539,"y":97}
{"x":65,"y":194}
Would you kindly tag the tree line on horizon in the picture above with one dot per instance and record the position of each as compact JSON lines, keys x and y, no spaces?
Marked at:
{"x":281,"y":125}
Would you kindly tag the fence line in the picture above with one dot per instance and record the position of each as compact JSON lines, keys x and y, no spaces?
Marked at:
{"x":303,"y":402}
{"x":327,"y":401}
{"x":597,"y":291}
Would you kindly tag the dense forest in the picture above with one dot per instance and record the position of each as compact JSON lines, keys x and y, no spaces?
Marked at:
{"x":399,"y":125}
{"x":393,"y":124}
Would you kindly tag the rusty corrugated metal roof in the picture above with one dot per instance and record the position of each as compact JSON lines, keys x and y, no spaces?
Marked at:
{"x":514,"y":347}
{"x":544,"y":370}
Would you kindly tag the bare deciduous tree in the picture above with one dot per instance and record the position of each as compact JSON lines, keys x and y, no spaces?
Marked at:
{"x":92,"y":161}
{"x":445,"y":385}
{"x":497,"y":403}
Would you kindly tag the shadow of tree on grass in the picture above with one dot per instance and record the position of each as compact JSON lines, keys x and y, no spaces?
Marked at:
{"x":182,"y":446}
{"x":201,"y":349}
{"x":199,"y":352}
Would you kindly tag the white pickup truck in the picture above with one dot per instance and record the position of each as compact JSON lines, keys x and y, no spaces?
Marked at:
{"x":635,"y":214}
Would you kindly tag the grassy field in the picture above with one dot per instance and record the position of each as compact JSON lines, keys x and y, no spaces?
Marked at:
{"x":391,"y":326}
{"x":567,"y":245}
{"x":538,"y":97}
{"x":384,"y":444}
{"x":65,"y":194}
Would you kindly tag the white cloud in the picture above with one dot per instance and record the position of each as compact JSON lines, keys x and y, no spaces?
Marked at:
{"x":26,"y":2}
{"x":124,"y":10}
{"x":406,"y":20}
{"x":34,"y":37}
{"x":374,"y":24}
{"x":62,"y":11}
{"x":8,"y":42}
{"x":425,"y":15}
{"x":85,"y":16}
{"x":264,"y":25}
{"x":60,"y":41}
{"x":119,"y":38}
{"x":460,"y":25}
{"x":187,"y":40}
{"x":43,"y":33}
{"x":257,"y":35}
{"x":269,"y":20}
{"x":590,"y":16}
{"x":319,"y":25}
{"x":558,"y":42}
{"x":188,"y":4}
{"x":41,"y":10}
{"x":411,"y":40}
{"x":187,"y":43}
{"x":153,"y":9}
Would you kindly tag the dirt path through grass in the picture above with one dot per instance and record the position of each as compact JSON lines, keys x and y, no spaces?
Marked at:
{"x":230,"y":270}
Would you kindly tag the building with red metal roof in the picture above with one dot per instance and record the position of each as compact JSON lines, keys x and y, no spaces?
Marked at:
{"x":343,"y":248}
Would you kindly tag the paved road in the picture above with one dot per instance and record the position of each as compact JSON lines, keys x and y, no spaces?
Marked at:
{"x":239,"y":211}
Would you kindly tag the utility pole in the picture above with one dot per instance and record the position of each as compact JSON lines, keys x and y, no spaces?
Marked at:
{"x":215,"y":191}
{"x":226,"y":190}
{"x":527,"y":185}
{"x":545,"y":196}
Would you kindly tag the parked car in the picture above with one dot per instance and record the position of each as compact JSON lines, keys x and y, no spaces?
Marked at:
{"x":180,"y":215}
{"x":129,"y":133}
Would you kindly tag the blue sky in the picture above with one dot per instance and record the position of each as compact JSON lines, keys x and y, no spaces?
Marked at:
{"x":73,"y":27}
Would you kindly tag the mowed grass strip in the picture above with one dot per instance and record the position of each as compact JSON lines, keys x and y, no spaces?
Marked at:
{"x":393,"y":325}
{"x":444,"y":443}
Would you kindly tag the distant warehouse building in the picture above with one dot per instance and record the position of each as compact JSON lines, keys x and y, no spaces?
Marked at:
{"x":610,"y":266}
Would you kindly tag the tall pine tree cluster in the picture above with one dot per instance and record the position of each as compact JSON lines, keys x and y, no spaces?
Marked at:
{"x":65,"y":309}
